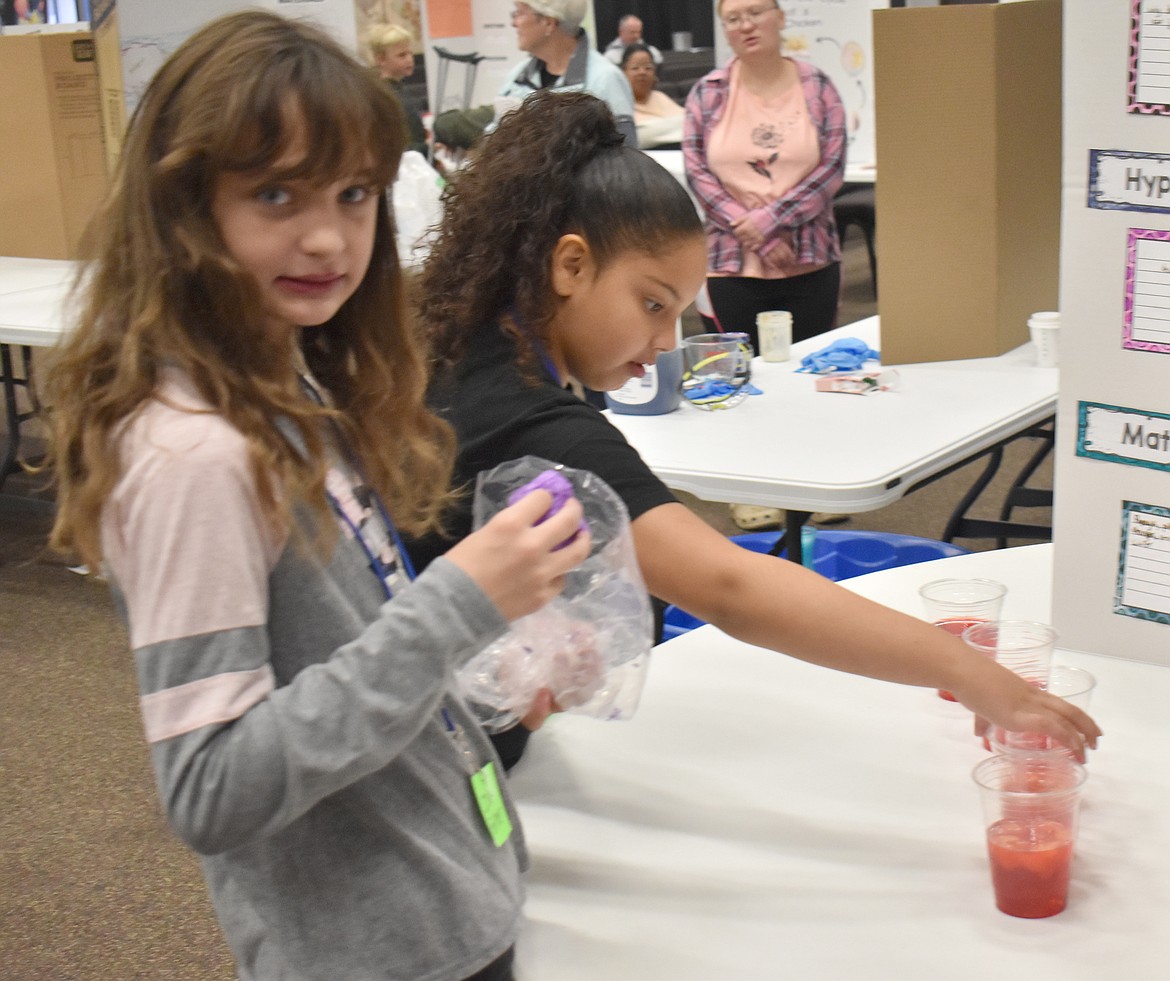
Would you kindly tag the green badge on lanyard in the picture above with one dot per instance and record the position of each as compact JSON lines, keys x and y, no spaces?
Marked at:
{"x":491,"y":803}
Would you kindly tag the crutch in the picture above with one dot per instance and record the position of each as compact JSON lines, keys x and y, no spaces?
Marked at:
{"x":471,"y":65}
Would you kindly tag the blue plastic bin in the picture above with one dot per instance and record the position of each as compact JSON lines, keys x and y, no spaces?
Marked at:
{"x":836,"y":555}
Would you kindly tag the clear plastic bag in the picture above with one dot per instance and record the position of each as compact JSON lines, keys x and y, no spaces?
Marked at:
{"x":591,"y":645}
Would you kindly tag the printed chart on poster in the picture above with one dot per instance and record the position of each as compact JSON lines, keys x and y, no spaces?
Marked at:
{"x":152,"y":29}
{"x":1143,"y":578}
{"x":1111,"y":523}
{"x":1149,"y":57}
{"x":1147,"y":291}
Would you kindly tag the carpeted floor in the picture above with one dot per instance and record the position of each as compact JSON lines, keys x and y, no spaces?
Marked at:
{"x":92,"y":885}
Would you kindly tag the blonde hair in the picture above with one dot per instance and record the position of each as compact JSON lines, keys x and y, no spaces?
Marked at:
{"x":161,"y":288}
{"x":382,"y":36}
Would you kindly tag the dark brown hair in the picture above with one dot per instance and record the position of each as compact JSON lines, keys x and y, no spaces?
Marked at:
{"x":556,"y":165}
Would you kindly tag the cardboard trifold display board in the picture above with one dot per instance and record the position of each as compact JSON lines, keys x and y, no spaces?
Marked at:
{"x":968,"y":110}
{"x":51,"y":151}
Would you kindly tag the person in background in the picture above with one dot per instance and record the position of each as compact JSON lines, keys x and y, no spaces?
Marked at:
{"x":764,"y":150}
{"x":658,"y":117}
{"x":581,"y":277}
{"x":563,"y":60}
{"x":240,"y":434}
{"x":392,"y":48}
{"x":629,"y":32}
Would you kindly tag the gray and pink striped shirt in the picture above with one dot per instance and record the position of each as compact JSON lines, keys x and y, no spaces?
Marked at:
{"x":294,"y":718}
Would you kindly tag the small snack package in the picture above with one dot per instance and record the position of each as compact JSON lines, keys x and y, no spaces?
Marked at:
{"x":591,"y":645}
{"x":859,"y":383}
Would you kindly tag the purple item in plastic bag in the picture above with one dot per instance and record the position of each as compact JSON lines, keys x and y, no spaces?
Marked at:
{"x":560,"y":489}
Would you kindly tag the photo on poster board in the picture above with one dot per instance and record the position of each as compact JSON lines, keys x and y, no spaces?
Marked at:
{"x":1143,"y":578}
{"x":1129,"y":180}
{"x":1149,"y":57}
{"x":1147,"y":291}
{"x":1115,"y":434}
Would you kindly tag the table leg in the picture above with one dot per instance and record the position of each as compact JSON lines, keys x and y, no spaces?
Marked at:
{"x":11,"y":462}
{"x":961,"y":526}
{"x":794,"y":522}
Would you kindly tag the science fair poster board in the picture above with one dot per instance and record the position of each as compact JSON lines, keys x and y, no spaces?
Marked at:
{"x":482,"y":27}
{"x":1112,"y":514}
{"x":151,"y":29}
{"x":837,"y":37}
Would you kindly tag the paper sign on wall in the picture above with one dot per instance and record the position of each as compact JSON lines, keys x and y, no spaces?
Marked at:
{"x":1149,"y":57}
{"x":1143,"y":578}
{"x":1128,"y":180}
{"x":1115,"y":434}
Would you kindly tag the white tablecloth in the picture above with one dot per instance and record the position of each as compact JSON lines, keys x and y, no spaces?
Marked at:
{"x":762,"y":818}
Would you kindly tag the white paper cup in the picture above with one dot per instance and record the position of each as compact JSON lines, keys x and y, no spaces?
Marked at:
{"x":1044,"y":328}
{"x":775,"y":330}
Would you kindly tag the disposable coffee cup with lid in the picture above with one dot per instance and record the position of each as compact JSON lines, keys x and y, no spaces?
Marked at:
{"x":1044,"y":328}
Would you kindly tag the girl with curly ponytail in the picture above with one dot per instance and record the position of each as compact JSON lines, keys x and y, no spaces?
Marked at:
{"x":565,"y":256}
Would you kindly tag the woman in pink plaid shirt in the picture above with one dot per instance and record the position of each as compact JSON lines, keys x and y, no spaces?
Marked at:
{"x":764,"y":145}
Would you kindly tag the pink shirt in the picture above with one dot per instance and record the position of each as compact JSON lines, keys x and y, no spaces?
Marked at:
{"x":805,"y":212}
{"x":760,"y":150}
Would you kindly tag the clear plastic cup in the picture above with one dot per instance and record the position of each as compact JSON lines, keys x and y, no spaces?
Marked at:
{"x":717,"y":369}
{"x":956,"y":604}
{"x":1030,"y":812}
{"x":1022,"y":646}
{"x":1074,"y":685}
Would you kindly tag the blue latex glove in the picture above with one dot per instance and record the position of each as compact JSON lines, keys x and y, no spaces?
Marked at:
{"x":844,"y":354}
{"x":718,"y":391}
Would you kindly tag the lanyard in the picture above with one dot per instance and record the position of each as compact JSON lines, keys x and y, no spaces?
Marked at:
{"x":366,"y":495}
{"x":370,"y":501}
{"x":485,"y":785}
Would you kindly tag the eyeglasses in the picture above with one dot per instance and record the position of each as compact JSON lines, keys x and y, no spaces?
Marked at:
{"x":518,"y":14}
{"x":746,"y":18}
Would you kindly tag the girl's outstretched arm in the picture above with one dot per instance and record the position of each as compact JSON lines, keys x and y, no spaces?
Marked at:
{"x":780,"y":605}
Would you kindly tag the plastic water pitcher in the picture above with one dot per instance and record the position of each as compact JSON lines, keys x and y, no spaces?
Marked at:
{"x":659,"y":390}
{"x":654,"y":394}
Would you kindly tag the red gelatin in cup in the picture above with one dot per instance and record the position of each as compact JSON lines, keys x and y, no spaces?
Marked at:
{"x":955,"y":627}
{"x":1030,"y":867}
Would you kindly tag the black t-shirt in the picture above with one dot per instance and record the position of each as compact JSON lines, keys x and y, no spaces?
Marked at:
{"x":499,"y":416}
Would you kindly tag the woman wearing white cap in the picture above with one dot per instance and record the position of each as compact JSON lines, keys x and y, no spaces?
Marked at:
{"x":563,"y":59}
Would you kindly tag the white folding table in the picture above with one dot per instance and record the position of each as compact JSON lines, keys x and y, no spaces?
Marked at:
{"x":32,"y":297}
{"x":762,"y":818}
{"x":795,"y":448}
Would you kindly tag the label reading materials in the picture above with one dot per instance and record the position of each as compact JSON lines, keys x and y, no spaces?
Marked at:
{"x":1128,"y":436}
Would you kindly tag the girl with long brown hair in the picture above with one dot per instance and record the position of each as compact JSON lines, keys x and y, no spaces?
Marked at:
{"x":236,"y":417}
